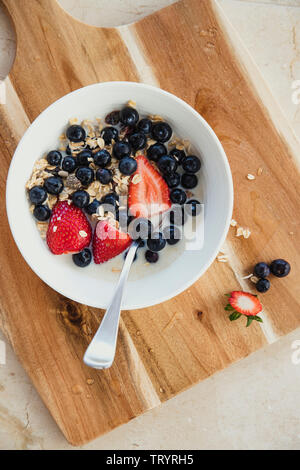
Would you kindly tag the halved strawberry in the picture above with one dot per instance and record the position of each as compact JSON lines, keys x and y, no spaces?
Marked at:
{"x":108,"y":242}
{"x":148,"y":193}
{"x":69,"y":230}
{"x":243,"y":303}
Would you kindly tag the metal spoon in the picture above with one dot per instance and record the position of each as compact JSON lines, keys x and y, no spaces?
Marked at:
{"x":101,"y":351}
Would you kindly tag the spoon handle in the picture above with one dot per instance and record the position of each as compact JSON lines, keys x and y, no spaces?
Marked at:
{"x":101,"y":351}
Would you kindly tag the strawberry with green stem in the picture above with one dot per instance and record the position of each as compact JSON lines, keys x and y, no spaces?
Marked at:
{"x":243,"y":303}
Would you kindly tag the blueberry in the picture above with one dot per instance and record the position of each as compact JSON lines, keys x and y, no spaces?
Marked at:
{"x":177,"y":216}
{"x":161,"y":131}
{"x":92,"y":207}
{"x":102,"y":158}
{"x":140,"y":228}
{"x":109,"y":133}
{"x":80,"y":199}
{"x":167,"y":164}
{"x":172,"y":180}
{"x":68,"y":164}
{"x":263,"y":285}
{"x":76,"y":133}
{"x":189,"y":181}
{"x":85,"y":175}
{"x":179,"y":155}
{"x":113,"y":118}
{"x":83,"y":258}
{"x":191,"y":164}
{"x":54,"y":185}
{"x":156,"y":151}
{"x":261,"y":270}
{"x":193,"y":207}
{"x":68,"y":150}
{"x":121,"y":149}
{"x":54,"y":158}
{"x":138,"y":140}
{"x":127,"y":166}
{"x":104,"y":176}
{"x":37,"y":195}
{"x":151,"y":256}
{"x":178,"y":196}
{"x":111,"y":199}
{"x":280,"y":267}
{"x":129,"y":116}
{"x":172,"y":234}
{"x":41,"y":213}
{"x":82,"y":158}
{"x":145,"y":125}
{"x":156,"y":242}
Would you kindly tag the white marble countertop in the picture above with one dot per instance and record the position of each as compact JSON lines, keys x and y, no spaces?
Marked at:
{"x":250,"y":405}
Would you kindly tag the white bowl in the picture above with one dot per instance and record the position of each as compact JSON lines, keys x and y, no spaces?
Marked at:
{"x":148,"y":285}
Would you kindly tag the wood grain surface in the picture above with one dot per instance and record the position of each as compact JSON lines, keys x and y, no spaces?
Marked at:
{"x":187,"y":50}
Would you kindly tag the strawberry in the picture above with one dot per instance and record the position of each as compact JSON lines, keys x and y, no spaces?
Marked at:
{"x":149,"y":196}
{"x":243,"y":303}
{"x":108,"y":242}
{"x":69,"y":230}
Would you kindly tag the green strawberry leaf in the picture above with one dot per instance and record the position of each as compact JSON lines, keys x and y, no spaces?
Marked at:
{"x":227,"y":295}
{"x":234,"y":316}
{"x":249,"y":321}
{"x":256,"y":318}
{"x":229,"y":308}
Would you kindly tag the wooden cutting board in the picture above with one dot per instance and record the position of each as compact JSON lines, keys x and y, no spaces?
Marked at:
{"x":188,"y":49}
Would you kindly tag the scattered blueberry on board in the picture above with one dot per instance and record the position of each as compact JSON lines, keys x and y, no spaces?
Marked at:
{"x":261,"y":270}
{"x":278,"y":267}
{"x":99,"y":157}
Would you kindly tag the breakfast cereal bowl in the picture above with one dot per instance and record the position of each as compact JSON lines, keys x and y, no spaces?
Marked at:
{"x":179,"y":266}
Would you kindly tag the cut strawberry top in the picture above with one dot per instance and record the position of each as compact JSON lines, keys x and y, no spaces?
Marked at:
{"x":245,"y":303}
{"x":148,"y":192}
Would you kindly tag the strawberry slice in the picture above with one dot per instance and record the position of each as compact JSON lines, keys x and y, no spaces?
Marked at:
{"x":69,"y":230}
{"x":243,"y":303}
{"x":108,"y":242}
{"x":149,"y":195}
